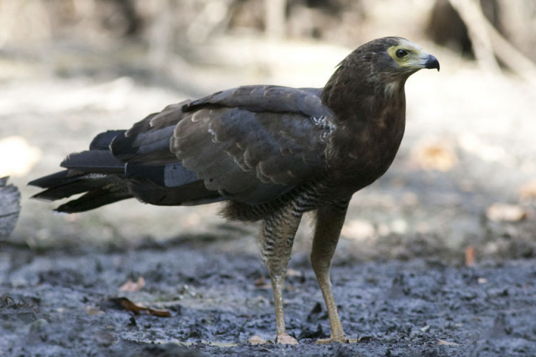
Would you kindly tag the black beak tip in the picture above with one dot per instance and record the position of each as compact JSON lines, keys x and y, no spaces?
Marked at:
{"x":432,"y":62}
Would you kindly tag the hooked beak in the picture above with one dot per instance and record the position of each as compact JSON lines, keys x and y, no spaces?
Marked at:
{"x":432,"y":62}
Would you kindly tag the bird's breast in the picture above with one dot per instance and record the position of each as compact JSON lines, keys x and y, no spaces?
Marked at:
{"x":362,"y":152}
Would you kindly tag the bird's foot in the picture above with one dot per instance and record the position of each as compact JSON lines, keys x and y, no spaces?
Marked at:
{"x":338,"y":339}
{"x":286,"y":339}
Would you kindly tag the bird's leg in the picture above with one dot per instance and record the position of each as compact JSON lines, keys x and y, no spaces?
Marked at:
{"x":328,"y":227}
{"x":276,"y":239}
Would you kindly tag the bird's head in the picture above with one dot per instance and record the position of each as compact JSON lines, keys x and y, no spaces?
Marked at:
{"x":378,"y":67}
{"x":395,"y":57}
{"x":409,"y":57}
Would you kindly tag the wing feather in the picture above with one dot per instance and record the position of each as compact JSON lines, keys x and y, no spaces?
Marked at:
{"x":253,"y":143}
{"x":250,"y":144}
{"x":267,"y":98}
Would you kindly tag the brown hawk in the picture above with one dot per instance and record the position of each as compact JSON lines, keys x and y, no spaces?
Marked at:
{"x":270,"y":153}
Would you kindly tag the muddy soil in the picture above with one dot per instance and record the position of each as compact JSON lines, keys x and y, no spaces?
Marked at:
{"x":58,"y":303}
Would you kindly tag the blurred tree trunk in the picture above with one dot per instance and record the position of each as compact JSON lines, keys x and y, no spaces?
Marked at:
{"x":447,"y":28}
{"x":23,"y":20}
{"x":518,"y":23}
{"x":488,"y":42}
{"x":8,"y":13}
{"x":161,"y":33}
{"x":471,"y":13}
{"x":481,"y":27}
{"x":275,"y":18}
{"x":212,"y":16}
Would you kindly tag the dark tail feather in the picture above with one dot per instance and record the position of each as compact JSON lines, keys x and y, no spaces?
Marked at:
{"x":103,"y":140}
{"x":150,"y":147}
{"x":102,"y":175}
{"x":97,"y":197}
{"x":96,"y":172}
{"x":75,"y":186}
{"x":58,"y":178}
{"x":94,"y":161}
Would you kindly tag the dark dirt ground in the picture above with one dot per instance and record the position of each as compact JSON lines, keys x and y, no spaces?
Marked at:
{"x":57,"y":304}
{"x":399,"y":274}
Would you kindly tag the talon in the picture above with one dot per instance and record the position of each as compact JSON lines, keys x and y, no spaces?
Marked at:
{"x":286,"y":339}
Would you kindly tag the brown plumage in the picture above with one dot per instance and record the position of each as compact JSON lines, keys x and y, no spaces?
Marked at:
{"x":271,"y":153}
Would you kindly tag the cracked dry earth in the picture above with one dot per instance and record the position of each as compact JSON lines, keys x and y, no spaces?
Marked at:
{"x":58,"y":304}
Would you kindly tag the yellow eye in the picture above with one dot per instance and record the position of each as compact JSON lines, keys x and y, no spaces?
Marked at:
{"x":401,"y":53}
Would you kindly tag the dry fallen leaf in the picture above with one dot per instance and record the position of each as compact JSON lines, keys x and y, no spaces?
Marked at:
{"x":435,"y":155}
{"x":135,"y":308}
{"x":286,"y":339}
{"x":261,"y":283}
{"x":503,"y":212}
{"x":528,"y":190}
{"x":256,"y":340}
{"x":133,"y":286}
{"x":447,"y":343}
{"x":470,"y":256}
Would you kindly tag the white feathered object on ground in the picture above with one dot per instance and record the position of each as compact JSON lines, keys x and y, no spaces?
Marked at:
{"x":9,"y":207}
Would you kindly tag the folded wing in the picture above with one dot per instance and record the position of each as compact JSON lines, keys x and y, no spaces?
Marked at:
{"x":250,"y":144}
{"x":253,"y":143}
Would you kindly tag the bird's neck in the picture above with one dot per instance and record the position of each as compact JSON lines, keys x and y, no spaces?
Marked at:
{"x":369,"y":126}
{"x":358,"y":99}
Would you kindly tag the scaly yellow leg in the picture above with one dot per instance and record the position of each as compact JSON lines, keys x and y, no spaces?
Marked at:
{"x":328,"y":227}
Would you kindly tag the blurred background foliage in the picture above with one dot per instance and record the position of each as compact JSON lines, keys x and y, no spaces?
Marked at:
{"x":466,"y":172}
{"x":489,"y":29}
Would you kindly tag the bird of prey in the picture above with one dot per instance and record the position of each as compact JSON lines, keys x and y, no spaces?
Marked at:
{"x":271,"y":153}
